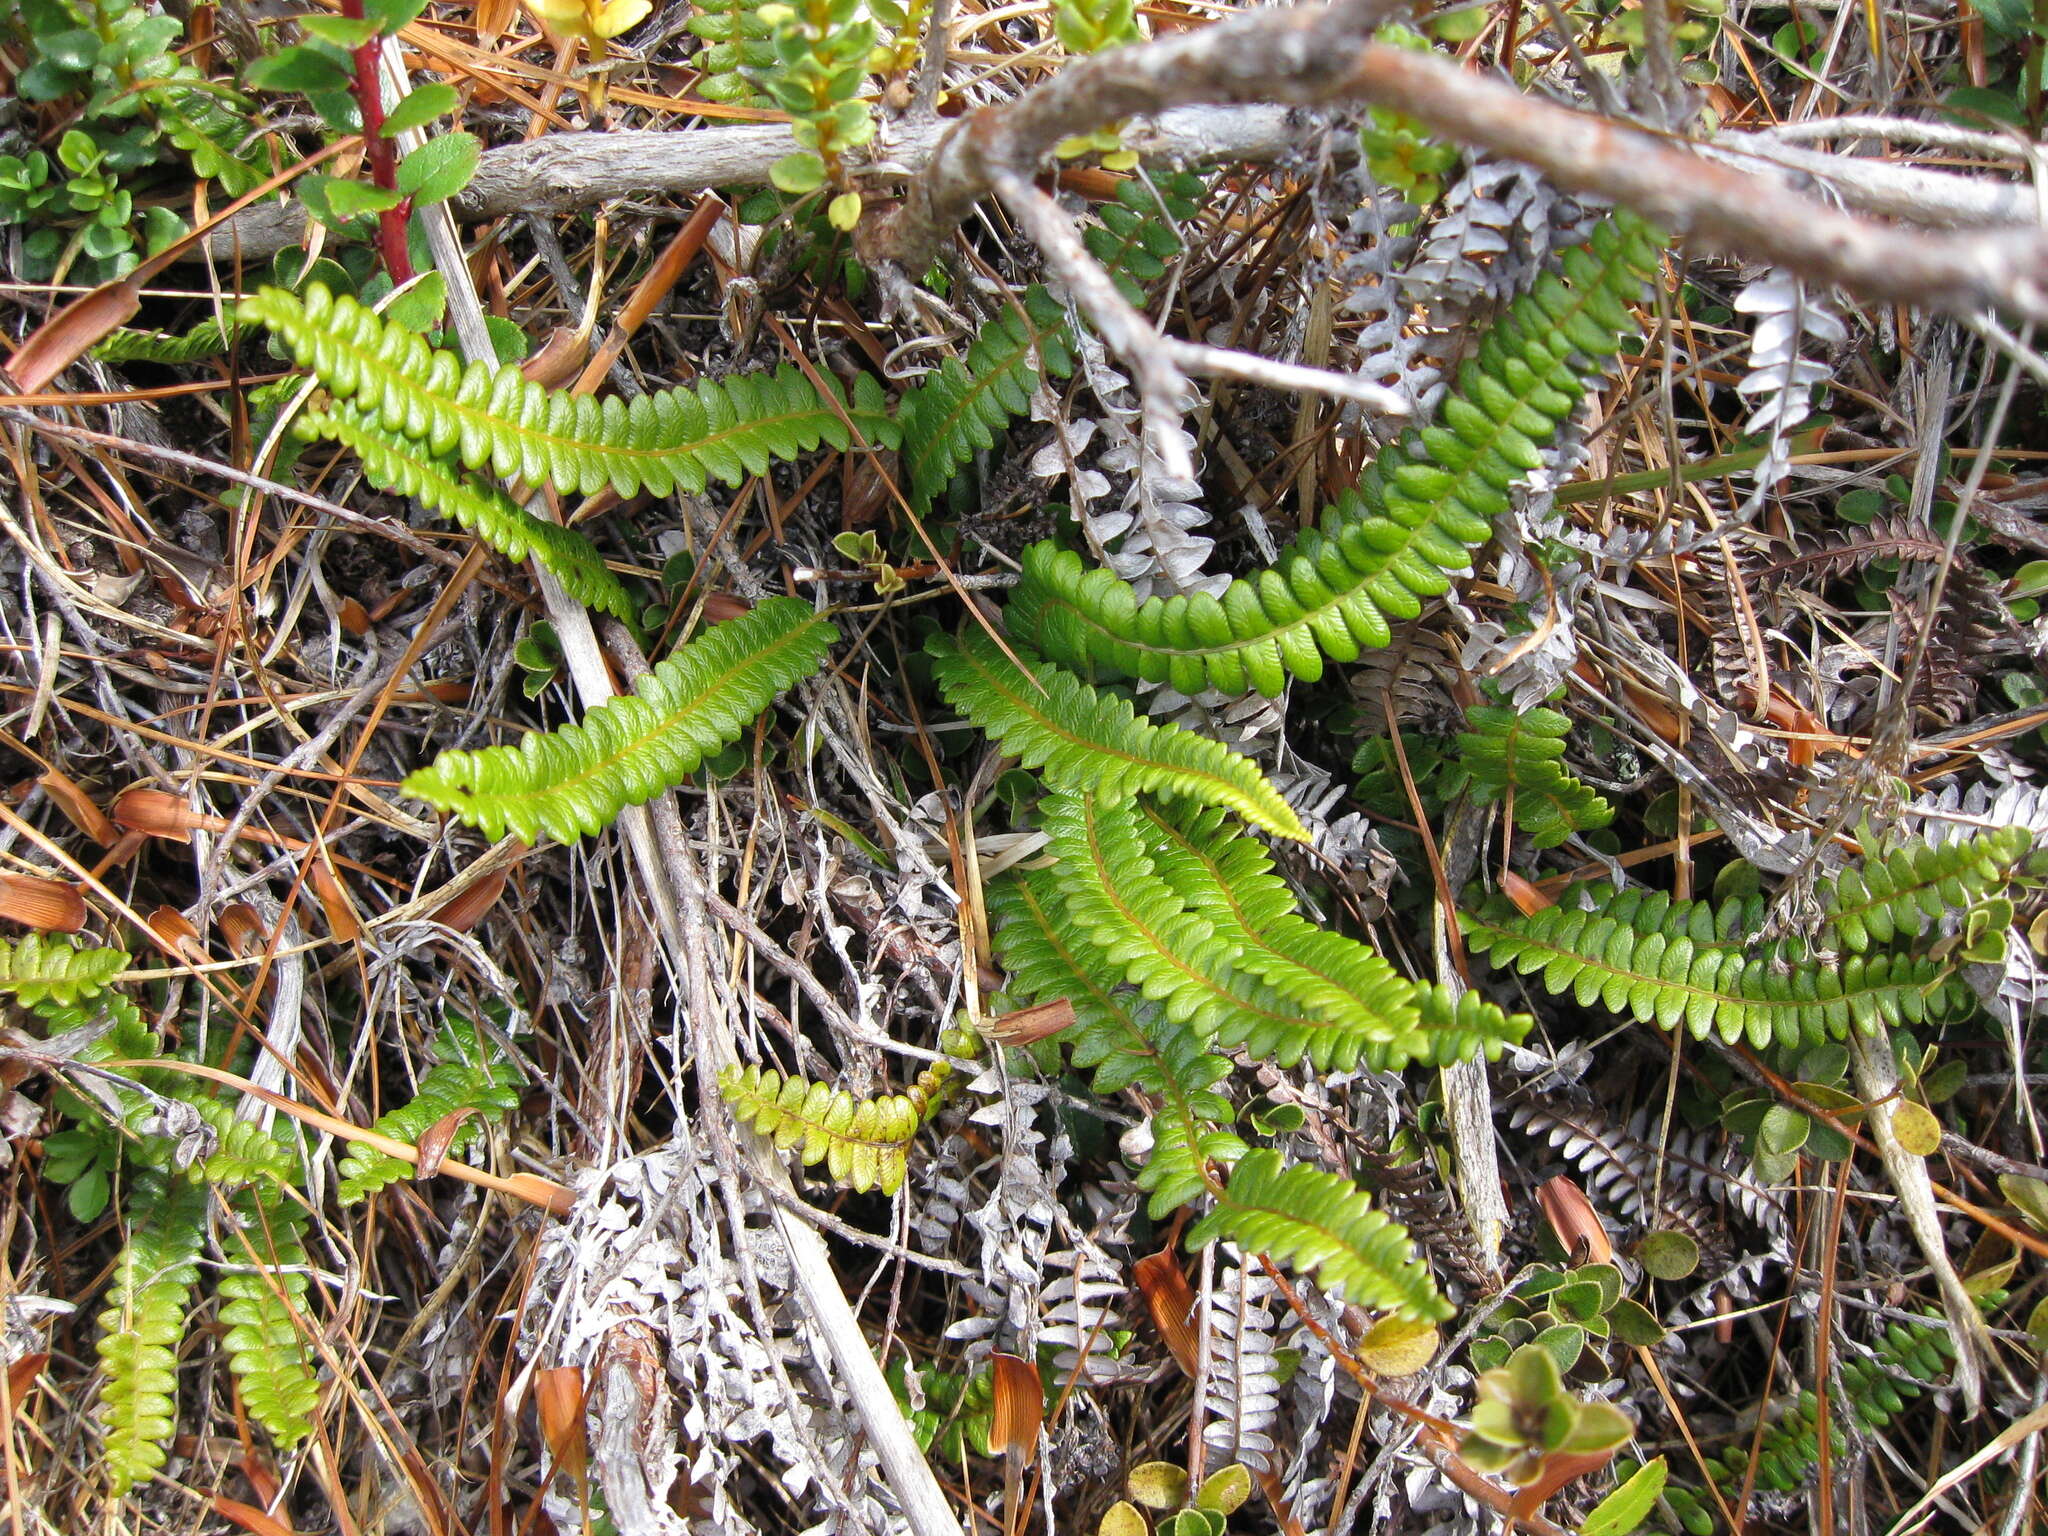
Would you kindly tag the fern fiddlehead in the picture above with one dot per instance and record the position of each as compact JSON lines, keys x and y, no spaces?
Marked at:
{"x":1414,"y":518}
{"x":574,"y":782}
{"x":486,"y":415}
{"x":1092,"y":742}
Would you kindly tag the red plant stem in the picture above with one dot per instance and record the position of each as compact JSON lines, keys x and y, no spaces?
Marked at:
{"x":381,"y":152}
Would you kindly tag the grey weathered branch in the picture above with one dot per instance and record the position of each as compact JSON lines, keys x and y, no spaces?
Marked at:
{"x":1754,"y":217}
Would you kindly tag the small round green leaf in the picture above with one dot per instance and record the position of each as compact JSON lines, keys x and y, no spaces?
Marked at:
{"x":1158,"y":1484}
{"x":1224,"y":1492}
{"x":1668,"y":1255}
{"x":439,"y":168}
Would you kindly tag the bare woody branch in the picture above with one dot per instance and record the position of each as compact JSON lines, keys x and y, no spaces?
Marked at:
{"x":1712,"y":204}
{"x":1296,"y":57}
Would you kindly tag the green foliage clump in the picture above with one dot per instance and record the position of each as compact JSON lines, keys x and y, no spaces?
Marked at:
{"x":53,"y":968}
{"x":1137,"y":233}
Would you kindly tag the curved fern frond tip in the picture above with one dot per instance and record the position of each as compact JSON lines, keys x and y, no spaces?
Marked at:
{"x":959,"y":407}
{"x":1324,"y":1225}
{"x":1090,"y":742}
{"x":491,"y":415}
{"x":574,"y":782}
{"x":394,"y":463}
{"x":864,"y":1143}
{"x":1384,"y":548}
{"x":47,"y":967}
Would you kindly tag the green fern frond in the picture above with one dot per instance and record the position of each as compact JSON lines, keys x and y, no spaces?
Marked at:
{"x":1136,"y":237}
{"x":48,"y":967}
{"x":1516,"y":751}
{"x":1665,"y":962}
{"x":864,"y":1143}
{"x":1383,"y":549}
{"x":1092,"y":742}
{"x":488,"y":414}
{"x":468,"y":1074}
{"x":958,"y":408}
{"x":1321,"y":1224}
{"x":1126,"y":1042}
{"x":574,"y":782}
{"x":264,"y":1286}
{"x":209,"y":338}
{"x":1895,"y":892}
{"x":144,"y":1322}
{"x":397,"y":464}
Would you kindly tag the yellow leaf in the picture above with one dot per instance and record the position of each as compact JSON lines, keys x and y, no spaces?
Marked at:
{"x":1397,"y":1346}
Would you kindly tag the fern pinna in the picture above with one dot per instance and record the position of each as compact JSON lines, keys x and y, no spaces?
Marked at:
{"x":1414,"y":518}
{"x":1083,"y":739}
{"x":574,"y":782}
{"x":1667,"y":962}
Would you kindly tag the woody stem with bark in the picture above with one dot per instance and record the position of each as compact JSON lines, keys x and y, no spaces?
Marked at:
{"x":379,"y":150}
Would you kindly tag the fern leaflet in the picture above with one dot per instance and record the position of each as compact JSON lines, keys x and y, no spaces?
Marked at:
{"x":396,"y":464}
{"x":1415,"y":517}
{"x":1092,"y":742}
{"x":209,"y":338}
{"x":143,"y":1322}
{"x":1125,"y":1042}
{"x":574,"y":782}
{"x":488,"y":414}
{"x":958,"y":408}
{"x":1895,"y":892}
{"x":264,"y":1285}
{"x":467,"y":1075}
{"x":864,"y":1143}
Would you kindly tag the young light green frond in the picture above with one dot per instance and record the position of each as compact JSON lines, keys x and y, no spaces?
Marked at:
{"x":469,"y":1073}
{"x":48,"y":967}
{"x":490,"y":415}
{"x":265,"y":1284}
{"x":864,"y":1143}
{"x":1895,"y":892}
{"x":1092,"y":742}
{"x":394,"y":463}
{"x":1323,"y":1225}
{"x":1384,"y":549}
{"x":573,"y":782}
{"x":144,"y":1322}
{"x":1669,"y":962}
{"x":1513,"y":754}
{"x":958,"y":408}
